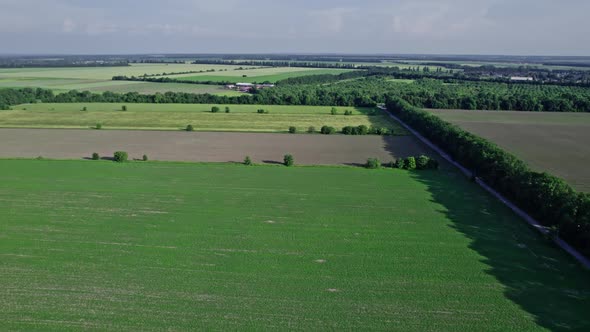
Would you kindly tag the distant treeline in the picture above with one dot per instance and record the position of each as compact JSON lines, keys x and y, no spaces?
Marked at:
{"x":547,"y":198}
{"x":274,"y":63}
{"x":361,"y":92}
{"x":161,"y":79}
{"x":10,"y":63}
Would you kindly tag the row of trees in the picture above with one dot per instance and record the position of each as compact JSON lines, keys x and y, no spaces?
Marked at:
{"x":364,"y":92}
{"x":545,"y":197}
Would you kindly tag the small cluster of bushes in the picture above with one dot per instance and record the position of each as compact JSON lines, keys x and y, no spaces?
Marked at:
{"x":410,"y":163}
{"x":217,"y":109}
{"x":416,"y":163}
{"x":293,"y":130}
{"x":347,"y":112}
{"x":190,"y":128}
{"x":119,"y":156}
{"x":364,"y":130}
{"x":288,"y":160}
{"x":262,"y":111}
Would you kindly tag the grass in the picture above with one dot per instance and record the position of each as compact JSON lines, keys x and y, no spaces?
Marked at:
{"x":258,"y":75}
{"x":177,"y":116}
{"x":551,"y":142}
{"x":154,"y":246}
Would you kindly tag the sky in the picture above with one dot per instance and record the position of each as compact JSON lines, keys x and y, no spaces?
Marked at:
{"x":513,"y":27}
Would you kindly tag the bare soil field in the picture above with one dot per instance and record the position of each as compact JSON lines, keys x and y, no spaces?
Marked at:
{"x":205,"y":147}
{"x":556,"y":143}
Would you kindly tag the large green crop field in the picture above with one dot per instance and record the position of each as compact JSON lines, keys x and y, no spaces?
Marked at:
{"x":553,"y":142}
{"x":99,"y":79}
{"x":178,"y":116}
{"x":170,"y":246}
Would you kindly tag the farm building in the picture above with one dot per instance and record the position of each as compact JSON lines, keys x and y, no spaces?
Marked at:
{"x":521,"y":78}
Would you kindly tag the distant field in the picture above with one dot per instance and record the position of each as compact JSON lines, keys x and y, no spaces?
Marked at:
{"x":169,"y":246}
{"x":99,"y":79}
{"x":552,"y":142}
{"x":258,"y":75}
{"x":178,"y":116}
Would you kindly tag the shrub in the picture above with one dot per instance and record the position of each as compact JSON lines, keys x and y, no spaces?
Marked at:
{"x":120,"y":156}
{"x":190,"y":128}
{"x":373,"y":163}
{"x":145,"y":157}
{"x":98,"y":126}
{"x":432,"y":164}
{"x":95,"y":156}
{"x":292,"y":130}
{"x":247,"y":161}
{"x":227,"y":110}
{"x":262,"y":111}
{"x":311,"y":130}
{"x":288,"y":160}
{"x":400,"y":163}
{"x":349,"y":130}
{"x":410,"y":163}
{"x":422,"y":162}
{"x":347,"y":112}
{"x":327,"y":130}
{"x":84,"y":108}
{"x":124,"y":108}
{"x":362,"y":130}
{"x":215,"y":109}
{"x":333,"y":111}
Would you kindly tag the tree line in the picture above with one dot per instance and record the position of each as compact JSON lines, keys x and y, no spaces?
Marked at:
{"x":362,"y":92}
{"x":547,"y":198}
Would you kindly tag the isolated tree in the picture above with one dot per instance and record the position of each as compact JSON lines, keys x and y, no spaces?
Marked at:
{"x":98,"y":126}
{"x":95,"y":156}
{"x":247,"y":161}
{"x":84,"y":108}
{"x":292,"y":130}
{"x":214,"y":109}
{"x":145,"y":157}
{"x":333,"y":111}
{"x":124,"y":108}
{"x":288,"y":160}
{"x":120,"y":156}
{"x":227,"y":110}
{"x":190,"y":128}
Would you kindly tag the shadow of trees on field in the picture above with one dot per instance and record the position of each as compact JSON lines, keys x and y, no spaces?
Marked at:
{"x":537,"y":276}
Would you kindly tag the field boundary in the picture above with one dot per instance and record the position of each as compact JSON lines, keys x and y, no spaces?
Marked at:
{"x":585,"y":262}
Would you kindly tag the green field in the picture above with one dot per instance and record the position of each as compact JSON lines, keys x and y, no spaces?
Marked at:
{"x":178,"y":116}
{"x":258,"y":75}
{"x":170,"y":246}
{"x":552,"y":142}
{"x":99,"y":79}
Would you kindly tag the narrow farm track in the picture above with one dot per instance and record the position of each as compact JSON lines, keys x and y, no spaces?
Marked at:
{"x":204,"y":146}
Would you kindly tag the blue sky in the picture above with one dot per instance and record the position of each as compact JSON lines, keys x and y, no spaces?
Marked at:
{"x":547,"y":27}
